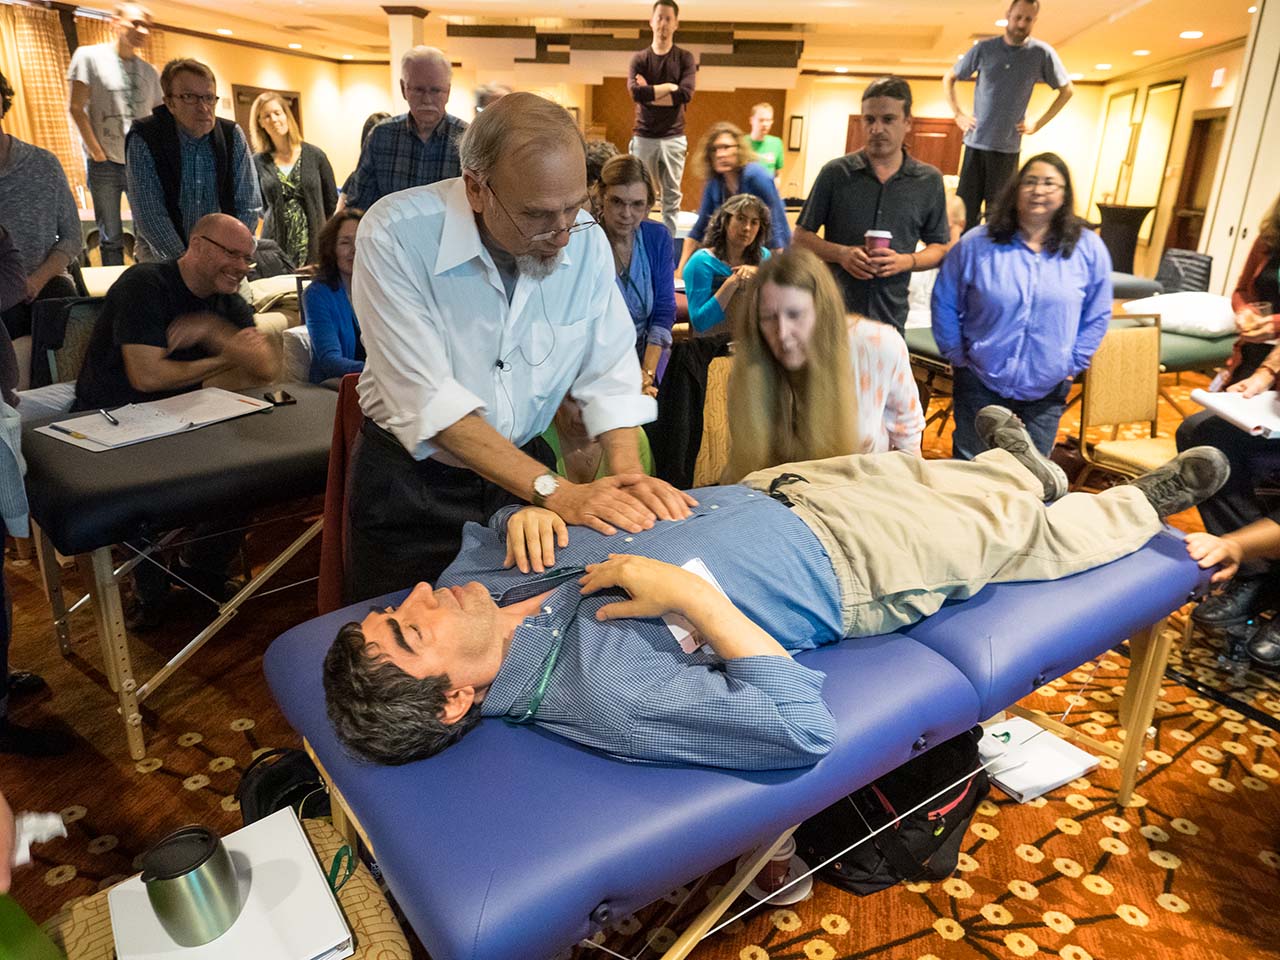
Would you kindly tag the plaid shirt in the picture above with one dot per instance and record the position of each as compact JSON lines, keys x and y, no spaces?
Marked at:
{"x":394,"y":158}
{"x":199,"y":190}
{"x":626,"y":687}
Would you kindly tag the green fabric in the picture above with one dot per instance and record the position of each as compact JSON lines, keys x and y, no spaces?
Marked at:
{"x":294,"y":241}
{"x":769,"y":153}
{"x":553,"y":440}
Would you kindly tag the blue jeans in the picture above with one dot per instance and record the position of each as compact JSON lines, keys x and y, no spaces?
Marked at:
{"x":107,"y":186}
{"x":969,"y":395}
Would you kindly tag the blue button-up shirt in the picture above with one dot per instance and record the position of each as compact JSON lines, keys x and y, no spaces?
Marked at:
{"x":396,"y":158}
{"x":626,"y":687}
{"x":199,"y":194}
{"x":1022,"y":321}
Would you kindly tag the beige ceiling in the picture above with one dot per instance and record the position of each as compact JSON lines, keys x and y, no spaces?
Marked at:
{"x":906,"y":36}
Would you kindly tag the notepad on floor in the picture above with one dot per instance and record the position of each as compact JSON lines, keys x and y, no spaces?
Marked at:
{"x":1258,"y":415}
{"x":1029,"y":760}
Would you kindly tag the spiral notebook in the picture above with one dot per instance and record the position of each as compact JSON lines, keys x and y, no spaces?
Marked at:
{"x":138,"y":422}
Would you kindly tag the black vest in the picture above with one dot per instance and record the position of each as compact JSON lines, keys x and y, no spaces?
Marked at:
{"x":160,"y":133}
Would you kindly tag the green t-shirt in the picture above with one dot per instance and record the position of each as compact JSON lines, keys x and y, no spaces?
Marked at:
{"x":769,"y":153}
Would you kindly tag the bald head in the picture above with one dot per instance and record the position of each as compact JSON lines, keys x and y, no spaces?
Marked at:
{"x":518,"y":124}
{"x":219,"y":254}
{"x":223,"y":228}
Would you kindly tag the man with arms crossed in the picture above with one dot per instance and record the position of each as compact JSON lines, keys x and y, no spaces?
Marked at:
{"x":111,"y":86}
{"x":1008,"y":68}
{"x":879,"y":187}
{"x":661,"y":80}
{"x":483,"y":301}
{"x":582,"y":651}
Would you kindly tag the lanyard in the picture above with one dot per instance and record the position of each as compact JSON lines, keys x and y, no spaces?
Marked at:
{"x":553,"y":655}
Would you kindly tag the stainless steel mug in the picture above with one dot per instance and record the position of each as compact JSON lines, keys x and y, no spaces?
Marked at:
{"x":191,"y":883}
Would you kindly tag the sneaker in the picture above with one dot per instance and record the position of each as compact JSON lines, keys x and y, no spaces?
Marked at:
{"x":1191,"y":477}
{"x":1242,"y":598}
{"x":1000,"y":427}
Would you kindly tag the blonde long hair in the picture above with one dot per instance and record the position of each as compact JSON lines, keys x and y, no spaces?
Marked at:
{"x":259,"y":139}
{"x":778,"y":417}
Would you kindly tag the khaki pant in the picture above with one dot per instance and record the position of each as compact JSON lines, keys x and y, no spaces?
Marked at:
{"x":906,"y":534}
{"x":664,"y":159}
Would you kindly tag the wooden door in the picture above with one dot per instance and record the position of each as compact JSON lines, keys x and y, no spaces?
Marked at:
{"x":1207,"y":134}
{"x":932,"y":140}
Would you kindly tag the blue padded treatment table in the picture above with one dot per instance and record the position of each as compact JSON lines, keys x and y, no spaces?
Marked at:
{"x":515,"y":843}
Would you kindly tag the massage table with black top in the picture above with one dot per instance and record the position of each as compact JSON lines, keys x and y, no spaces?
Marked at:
{"x":514,"y":843}
{"x":84,"y":502}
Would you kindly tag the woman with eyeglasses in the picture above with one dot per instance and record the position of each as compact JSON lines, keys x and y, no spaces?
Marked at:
{"x":641,"y":258}
{"x":1021,"y":304}
{"x":725,"y":267}
{"x":297,"y":182}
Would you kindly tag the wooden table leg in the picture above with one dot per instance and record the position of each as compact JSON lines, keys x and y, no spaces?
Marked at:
{"x":109,"y":614}
{"x":1149,"y":654}
{"x":51,"y":578}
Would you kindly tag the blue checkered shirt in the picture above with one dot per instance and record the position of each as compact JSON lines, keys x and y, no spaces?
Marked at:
{"x":394,"y":158}
{"x":626,"y":687}
{"x":199,"y":190}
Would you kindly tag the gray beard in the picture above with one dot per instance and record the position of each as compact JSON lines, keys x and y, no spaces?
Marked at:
{"x":538,"y":268}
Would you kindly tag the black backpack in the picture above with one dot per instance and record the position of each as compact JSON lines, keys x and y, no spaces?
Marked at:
{"x":924,"y":845}
{"x":282,"y":778}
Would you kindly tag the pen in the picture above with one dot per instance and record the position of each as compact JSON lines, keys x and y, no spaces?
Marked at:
{"x":110,"y":419}
{"x":69,"y":433}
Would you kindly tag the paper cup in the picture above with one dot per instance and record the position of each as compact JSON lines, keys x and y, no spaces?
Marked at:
{"x":878,"y":239}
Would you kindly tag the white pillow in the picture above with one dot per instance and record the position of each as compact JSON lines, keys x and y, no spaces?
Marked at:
{"x":1192,"y":312}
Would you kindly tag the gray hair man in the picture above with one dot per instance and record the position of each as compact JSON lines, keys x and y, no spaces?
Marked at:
{"x":415,"y":148}
{"x":483,"y":301}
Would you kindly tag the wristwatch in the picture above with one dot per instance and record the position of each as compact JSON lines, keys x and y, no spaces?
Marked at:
{"x":544,"y":486}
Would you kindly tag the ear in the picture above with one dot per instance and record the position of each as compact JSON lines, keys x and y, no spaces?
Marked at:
{"x":457,"y":703}
{"x":403,"y":92}
{"x":475,"y":191}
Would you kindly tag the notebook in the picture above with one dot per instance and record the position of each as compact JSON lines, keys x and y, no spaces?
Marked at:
{"x":137,"y":422}
{"x":1258,"y":415}
{"x":1029,"y":760}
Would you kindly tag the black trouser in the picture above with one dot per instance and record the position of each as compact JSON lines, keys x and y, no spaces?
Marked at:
{"x":983,"y":174}
{"x":17,"y":319}
{"x":207,"y":557}
{"x":405,"y":516}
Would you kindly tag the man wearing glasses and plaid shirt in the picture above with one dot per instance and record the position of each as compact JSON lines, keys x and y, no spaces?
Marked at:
{"x":483,"y":301}
{"x":182,"y":163}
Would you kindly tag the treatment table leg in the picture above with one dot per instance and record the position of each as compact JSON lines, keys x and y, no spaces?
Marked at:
{"x":109,"y":614}
{"x":732,"y":889}
{"x":1148,"y":654}
{"x":51,"y":577}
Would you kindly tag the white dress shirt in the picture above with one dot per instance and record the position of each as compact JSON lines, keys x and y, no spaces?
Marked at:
{"x":442,"y":341}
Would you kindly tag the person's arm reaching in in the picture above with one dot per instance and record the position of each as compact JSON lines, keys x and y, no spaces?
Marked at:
{"x":1259,"y":540}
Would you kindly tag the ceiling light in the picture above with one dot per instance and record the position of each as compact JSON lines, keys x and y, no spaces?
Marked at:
{"x":1142,"y":53}
{"x":1252,"y":10}
{"x":842,"y":69}
{"x":1002,"y":22}
{"x":1102,"y":66}
{"x":348,"y":56}
{"x":295,"y":46}
{"x":1077,"y":76}
{"x":224,"y":31}
{"x":1191,"y":34}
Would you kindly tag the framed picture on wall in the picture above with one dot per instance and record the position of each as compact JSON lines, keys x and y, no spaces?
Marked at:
{"x":795,"y":132}
{"x":577,"y":116}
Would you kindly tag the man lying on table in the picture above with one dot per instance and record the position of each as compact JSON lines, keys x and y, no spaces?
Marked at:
{"x":576,"y":644}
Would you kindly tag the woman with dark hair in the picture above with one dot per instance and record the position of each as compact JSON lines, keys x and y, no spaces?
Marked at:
{"x":735,"y":247}
{"x":641,"y":258}
{"x":296,"y":179}
{"x":336,"y":348}
{"x":728,"y":167}
{"x":1021,"y":304}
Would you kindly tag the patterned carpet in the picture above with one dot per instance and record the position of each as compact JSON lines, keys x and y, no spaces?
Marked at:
{"x":1190,"y":870}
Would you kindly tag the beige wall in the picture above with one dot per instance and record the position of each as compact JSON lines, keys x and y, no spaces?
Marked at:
{"x":1197,"y":94}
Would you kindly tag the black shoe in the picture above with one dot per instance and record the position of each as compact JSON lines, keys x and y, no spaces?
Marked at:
{"x":1191,"y":477}
{"x":1242,"y":598}
{"x":1000,"y":427}
{"x":23,"y":683}
{"x":33,"y":741}
{"x":215,"y":585}
{"x":1264,"y":645}
{"x":141,"y":617}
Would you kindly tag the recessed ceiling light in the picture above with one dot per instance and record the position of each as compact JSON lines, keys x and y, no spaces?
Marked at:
{"x":1252,"y":10}
{"x":1077,"y":76}
{"x":1191,"y":34}
{"x":1142,"y":53}
{"x":348,"y":56}
{"x":224,"y":31}
{"x":295,"y":46}
{"x":1102,"y":66}
{"x":842,"y":69}
{"x":1002,"y":22}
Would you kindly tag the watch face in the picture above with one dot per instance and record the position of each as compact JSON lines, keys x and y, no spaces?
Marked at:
{"x":545,"y":485}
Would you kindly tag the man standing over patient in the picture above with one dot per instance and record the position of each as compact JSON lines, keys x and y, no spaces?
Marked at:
{"x":483,"y":301}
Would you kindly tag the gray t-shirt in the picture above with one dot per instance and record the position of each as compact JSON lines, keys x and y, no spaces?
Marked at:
{"x":847,"y":200}
{"x":120,"y":91}
{"x":1006,"y":77}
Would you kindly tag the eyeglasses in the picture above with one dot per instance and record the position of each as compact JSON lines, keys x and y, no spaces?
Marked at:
{"x":545,"y":235}
{"x":246,"y":259}
{"x":618,"y":205}
{"x":1032,"y":183}
{"x":191,"y":99}
{"x":435,"y":93}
